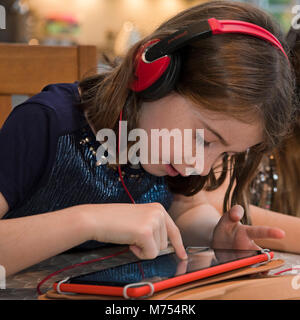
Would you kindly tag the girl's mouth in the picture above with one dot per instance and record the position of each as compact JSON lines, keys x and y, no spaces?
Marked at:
{"x":171,"y":171}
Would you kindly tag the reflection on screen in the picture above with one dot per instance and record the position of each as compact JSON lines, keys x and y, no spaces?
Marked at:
{"x":163,"y":267}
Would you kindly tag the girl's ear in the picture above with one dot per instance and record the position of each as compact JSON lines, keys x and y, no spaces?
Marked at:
{"x":166,"y":83}
{"x":156,"y":79}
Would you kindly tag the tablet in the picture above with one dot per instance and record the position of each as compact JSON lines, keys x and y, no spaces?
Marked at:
{"x":145,"y":277}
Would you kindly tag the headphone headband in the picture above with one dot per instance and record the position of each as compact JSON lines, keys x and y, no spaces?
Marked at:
{"x":205,"y":29}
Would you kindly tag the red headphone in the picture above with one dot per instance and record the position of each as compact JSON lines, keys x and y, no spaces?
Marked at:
{"x":158,"y":61}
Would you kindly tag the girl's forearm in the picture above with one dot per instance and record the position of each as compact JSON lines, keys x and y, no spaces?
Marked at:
{"x":144,"y":227}
{"x":289,"y":224}
{"x":28,"y":240}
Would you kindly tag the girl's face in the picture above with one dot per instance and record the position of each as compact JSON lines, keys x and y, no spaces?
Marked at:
{"x":222,"y":133}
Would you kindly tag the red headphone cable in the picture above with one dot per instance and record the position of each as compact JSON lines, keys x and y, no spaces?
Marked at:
{"x":74,"y":266}
{"x":119,"y":167}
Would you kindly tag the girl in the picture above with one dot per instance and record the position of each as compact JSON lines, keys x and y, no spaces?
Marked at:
{"x":55,"y":195}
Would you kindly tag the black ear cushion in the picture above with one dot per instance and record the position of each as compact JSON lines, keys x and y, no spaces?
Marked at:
{"x":165,"y":83}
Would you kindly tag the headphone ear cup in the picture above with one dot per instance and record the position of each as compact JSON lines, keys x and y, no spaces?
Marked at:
{"x":166,"y":83}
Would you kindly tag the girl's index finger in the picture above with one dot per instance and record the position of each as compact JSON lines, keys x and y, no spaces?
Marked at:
{"x":175,"y":238}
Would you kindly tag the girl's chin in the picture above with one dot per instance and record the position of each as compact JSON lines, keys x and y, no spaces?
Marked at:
{"x":155,"y":169}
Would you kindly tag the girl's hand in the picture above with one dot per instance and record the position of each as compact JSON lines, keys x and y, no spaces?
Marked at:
{"x":144,"y":227}
{"x":229,"y":233}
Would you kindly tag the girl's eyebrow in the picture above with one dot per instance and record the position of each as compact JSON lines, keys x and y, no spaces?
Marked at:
{"x":223,"y":141}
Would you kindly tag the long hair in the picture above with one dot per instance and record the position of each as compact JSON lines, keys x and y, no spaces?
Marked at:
{"x":287,"y":155}
{"x":236,"y":75}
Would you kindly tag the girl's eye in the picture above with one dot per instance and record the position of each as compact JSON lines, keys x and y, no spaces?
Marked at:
{"x":206,"y":144}
{"x":200,"y":139}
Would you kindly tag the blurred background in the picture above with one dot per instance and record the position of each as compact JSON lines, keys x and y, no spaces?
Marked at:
{"x":111,"y":25}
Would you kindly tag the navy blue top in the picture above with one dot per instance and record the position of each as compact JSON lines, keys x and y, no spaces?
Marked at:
{"x":29,"y":137}
{"x":47,"y":164}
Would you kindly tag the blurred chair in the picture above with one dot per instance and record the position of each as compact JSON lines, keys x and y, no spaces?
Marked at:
{"x":26,"y":69}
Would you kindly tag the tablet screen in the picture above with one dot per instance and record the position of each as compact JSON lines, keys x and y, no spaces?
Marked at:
{"x":163,"y":267}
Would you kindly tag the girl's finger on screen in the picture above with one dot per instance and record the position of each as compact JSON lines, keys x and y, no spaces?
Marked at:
{"x":175,"y":239}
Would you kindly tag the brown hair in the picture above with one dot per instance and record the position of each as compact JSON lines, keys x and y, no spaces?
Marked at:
{"x":233,"y":74}
{"x":287,"y":155}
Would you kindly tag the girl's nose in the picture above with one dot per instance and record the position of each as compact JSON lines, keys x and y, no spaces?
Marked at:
{"x":194,"y":170}
{"x":204,"y":168}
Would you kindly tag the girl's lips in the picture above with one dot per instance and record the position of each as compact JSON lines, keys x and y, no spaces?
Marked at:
{"x":171,"y":171}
